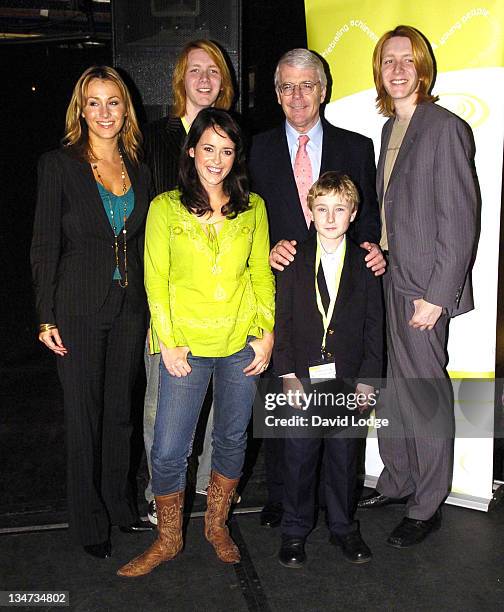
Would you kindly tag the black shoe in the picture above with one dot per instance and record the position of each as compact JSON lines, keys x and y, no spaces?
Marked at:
{"x":353,"y":546}
{"x":292,"y":553}
{"x":137,"y":527}
{"x":103,"y":550}
{"x":377,"y":500}
{"x":412,"y":531}
{"x":271,"y":515}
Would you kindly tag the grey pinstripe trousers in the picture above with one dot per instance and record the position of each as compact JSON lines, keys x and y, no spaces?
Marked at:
{"x":417,"y":447}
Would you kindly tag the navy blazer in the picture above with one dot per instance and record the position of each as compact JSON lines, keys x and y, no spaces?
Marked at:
{"x":272,"y":178}
{"x":72,"y":252}
{"x":355,"y":334}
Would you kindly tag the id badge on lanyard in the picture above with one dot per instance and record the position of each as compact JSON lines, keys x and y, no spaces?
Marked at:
{"x":321,"y":370}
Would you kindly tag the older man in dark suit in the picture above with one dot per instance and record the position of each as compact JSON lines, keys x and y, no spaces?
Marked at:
{"x":283,"y":163}
{"x":426,"y":183}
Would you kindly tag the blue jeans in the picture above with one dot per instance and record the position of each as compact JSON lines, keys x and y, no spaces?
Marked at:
{"x":179,"y":406}
{"x":152,"y":365}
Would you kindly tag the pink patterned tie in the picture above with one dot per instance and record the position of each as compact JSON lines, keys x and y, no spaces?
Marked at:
{"x":303,"y":175}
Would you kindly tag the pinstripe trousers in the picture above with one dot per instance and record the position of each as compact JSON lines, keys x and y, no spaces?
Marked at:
{"x":97,"y":375}
{"x":417,"y":446}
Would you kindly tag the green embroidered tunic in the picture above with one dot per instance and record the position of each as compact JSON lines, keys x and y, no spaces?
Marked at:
{"x":207,"y":291}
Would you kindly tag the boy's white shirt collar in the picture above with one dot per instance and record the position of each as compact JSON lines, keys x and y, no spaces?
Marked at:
{"x":330,"y":263}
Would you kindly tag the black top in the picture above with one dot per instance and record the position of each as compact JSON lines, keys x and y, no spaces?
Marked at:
{"x":163,"y":141}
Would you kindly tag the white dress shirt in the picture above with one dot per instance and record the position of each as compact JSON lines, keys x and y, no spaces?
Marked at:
{"x":330,"y":263}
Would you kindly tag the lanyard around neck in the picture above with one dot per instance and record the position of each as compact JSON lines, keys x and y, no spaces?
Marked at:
{"x":327,"y":316}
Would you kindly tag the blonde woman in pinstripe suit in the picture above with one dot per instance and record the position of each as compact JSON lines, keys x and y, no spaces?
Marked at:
{"x":87,"y":267}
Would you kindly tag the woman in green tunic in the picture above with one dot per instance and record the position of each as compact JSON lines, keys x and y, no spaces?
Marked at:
{"x":211,"y":297}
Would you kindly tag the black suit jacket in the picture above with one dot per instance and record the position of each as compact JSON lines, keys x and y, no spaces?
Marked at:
{"x":355,"y":334}
{"x":72,"y":251}
{"x":163,"y":140}
{"x":273,"y":179}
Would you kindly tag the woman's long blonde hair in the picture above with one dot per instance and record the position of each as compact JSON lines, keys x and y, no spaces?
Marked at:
{"x":76,"y":131}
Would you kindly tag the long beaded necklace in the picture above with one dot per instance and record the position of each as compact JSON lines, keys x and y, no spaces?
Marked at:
{"x":94,"y":165}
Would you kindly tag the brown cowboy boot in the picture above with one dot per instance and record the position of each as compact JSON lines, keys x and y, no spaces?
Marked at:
{"x":169,"y":541}
{"x":220,"y":495}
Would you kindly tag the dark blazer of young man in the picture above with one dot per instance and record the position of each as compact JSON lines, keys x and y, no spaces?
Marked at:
{"x":163,"y":141}
{"x":355,"y":342}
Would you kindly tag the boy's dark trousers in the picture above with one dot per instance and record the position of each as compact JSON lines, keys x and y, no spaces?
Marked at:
{"x":300,"y":483}
{"x":355,"y":343}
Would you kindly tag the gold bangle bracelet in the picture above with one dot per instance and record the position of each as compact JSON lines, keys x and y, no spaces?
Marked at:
{"x":43,"y":327}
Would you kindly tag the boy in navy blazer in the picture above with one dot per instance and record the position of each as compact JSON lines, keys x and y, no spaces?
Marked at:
{"x":329,"y":324}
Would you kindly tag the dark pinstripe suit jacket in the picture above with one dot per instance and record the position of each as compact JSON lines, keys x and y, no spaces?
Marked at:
{"x":431,"y":208}
{"x":163,"y":140}
{"x":72,"y":252}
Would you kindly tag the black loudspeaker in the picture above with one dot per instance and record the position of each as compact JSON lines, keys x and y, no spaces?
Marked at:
{"x":149,"y":35}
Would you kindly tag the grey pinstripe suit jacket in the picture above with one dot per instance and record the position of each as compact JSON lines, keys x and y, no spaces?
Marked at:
{"x":431,"y":209}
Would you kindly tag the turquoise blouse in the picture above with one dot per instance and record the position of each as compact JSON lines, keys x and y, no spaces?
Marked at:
{"x":115,"y":203}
